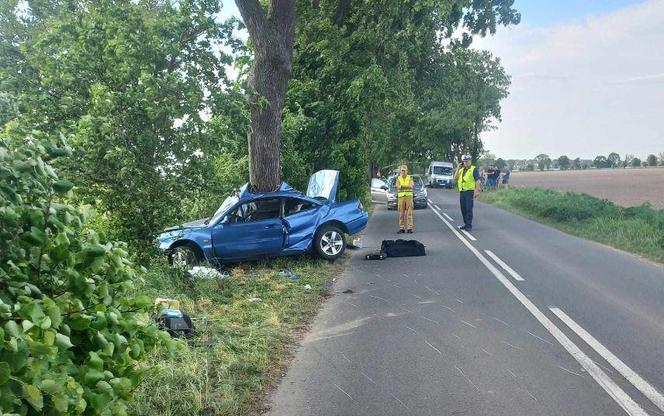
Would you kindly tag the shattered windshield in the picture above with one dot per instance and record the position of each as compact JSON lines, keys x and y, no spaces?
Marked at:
{"x":228,"y":202}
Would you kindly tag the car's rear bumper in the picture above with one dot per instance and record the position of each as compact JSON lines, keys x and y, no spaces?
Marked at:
{"x":357,"y":225}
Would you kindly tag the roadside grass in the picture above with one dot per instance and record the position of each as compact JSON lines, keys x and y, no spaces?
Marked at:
{"x":638,"y":230}
{"x":236,"y":355}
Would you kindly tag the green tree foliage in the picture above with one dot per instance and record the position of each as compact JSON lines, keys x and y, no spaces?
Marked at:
{"x":372,"y":82}
{"x":652,"y":160}
{"x":614,"y":159}
{"x":140,"y":87}
{"x":576,"y":163}
{"x":601,"y":162}
{"x":543,"y":161}
{"x":72,"y":335}
{"x":635,"y":162}
{"x":564,"y":162}
{"x":500,"y":163}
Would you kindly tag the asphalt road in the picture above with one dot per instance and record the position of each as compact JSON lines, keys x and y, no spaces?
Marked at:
{"x":456,"y":333}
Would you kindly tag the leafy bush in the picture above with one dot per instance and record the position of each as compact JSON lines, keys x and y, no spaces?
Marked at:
{"x":561,"y":207}
{"x":72,"y":335}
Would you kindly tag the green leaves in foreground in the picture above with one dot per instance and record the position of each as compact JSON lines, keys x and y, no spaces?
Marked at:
{"x":71,"y":335}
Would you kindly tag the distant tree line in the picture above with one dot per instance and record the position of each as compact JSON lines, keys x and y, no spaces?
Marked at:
{"x":545,"y":162}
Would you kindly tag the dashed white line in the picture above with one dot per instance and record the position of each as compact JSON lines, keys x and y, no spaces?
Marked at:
{"x":469,"y":235}
{"x":618,"y":394}
{"x":504,"y":265}
{"x":646,"y":388}
{"x":437,"y":207}
{"x":448,"y":217}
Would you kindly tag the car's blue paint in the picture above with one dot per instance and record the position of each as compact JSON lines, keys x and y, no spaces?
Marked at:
{"x":223,"y":240}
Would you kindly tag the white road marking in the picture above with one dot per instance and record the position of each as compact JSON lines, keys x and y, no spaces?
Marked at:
{"x":430,"y":201}
{"x":469,"y":235}
{"x":646,"y":388}
{"x":437,"y":207}
{"x":344,"y":392}
{"x":623,"y":399}
{"x":448,"y":217}
{"x":504,"y":265}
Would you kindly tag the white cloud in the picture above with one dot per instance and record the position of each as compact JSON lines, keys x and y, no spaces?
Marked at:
{"x":583,"y":88}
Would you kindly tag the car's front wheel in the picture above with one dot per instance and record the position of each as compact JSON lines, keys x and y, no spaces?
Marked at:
{"x":330,"y":242}
{"x":184,"y":256}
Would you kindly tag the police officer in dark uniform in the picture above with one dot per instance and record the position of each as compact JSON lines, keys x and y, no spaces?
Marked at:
{"x":467,"y":178}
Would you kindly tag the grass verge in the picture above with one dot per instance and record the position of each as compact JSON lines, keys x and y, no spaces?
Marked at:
{"x":638,"y":230}
{"x":242,"y":347}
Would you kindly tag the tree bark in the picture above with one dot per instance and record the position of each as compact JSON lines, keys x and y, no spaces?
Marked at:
{"x":272,"y":37}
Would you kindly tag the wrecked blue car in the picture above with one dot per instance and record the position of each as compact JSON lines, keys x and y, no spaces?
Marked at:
{"x":251,"y":225}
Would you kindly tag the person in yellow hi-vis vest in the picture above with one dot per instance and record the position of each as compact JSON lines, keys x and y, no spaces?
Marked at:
{"x":404,"y":185}
{"x":468,"y":183}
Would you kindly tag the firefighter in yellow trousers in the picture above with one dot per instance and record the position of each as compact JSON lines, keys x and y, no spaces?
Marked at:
{"x":404,"y":185}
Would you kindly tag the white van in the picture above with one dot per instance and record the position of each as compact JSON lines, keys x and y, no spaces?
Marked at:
{"x":441,"y":174}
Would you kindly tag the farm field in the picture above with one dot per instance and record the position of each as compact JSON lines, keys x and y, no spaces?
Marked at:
{"x":625,"y":187}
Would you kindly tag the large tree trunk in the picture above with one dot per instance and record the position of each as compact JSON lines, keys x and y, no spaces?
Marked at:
{"x":272,"y":38}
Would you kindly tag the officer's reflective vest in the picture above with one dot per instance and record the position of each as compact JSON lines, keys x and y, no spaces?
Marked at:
{"x":401,"y":181}
{"x":466,"y":182}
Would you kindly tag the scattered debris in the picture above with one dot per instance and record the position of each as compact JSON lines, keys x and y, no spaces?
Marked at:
{"x":254,"y":300}
{"x":357,"y":243}
{"x":170,"y":318}
{"x":307,"y":286}
{"x":348,"y":291}
{"x":202,"y":272}
{"x":288,"y":274}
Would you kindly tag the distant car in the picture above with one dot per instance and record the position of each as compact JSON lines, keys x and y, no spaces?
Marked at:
{"x":441,"y":174}
{"x":378,"y":190}
{"x":419,"y":193}
{"x":251,"y":225}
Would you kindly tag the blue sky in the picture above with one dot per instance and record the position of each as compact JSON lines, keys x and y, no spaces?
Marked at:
{"x":587,"y":79}
{"x":547,"y":12}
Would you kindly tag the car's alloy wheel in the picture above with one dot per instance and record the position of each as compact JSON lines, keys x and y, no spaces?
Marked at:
{"x":184,"y":257}
{"x":330,"y":242}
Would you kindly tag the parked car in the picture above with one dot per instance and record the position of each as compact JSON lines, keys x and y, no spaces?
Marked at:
{"x":378,"y":190}
{"x":441,"y":174}
{"x":251,"y":225}
{"x":419,"y":193}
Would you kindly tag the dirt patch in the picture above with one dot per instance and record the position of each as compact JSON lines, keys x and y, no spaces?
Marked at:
{"x":625,"y":187}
